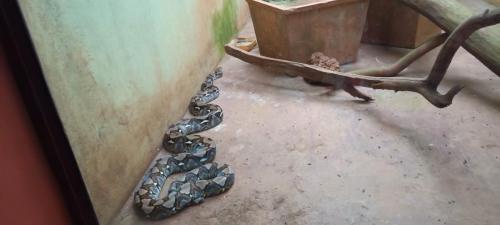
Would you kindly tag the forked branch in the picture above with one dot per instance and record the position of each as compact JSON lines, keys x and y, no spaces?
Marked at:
{"x":396,"y":68}
{"x":427,"y":87}
{"x":456,"y":39}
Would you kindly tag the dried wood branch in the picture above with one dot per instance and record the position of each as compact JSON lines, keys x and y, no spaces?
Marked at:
{"x":456,"y":39}
{"x":341,"y":79}
{"x":427,"y":87}
{"x":396,"y":68}
{"x":388,"y":71}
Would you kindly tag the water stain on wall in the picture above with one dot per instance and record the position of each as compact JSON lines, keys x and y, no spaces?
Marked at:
{"x":224,"y":24}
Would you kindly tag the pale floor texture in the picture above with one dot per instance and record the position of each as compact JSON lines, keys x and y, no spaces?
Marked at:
{"x":301,"y":157}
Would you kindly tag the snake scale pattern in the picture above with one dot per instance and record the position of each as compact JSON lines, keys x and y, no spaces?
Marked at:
{"x":190,"y":153}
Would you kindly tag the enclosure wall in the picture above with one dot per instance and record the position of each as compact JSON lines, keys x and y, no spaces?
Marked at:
{"x":120,"y":72}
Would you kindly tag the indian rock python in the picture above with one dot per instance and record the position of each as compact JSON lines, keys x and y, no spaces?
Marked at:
{"x":191,"y":153}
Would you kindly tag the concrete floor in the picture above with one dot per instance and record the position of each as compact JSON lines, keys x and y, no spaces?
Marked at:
{"x":305,"y":158}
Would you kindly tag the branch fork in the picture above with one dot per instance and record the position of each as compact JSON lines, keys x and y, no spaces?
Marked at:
{"x":382,"y":78}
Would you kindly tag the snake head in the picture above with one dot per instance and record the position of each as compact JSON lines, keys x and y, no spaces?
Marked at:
{"x":175,"y":132}
{"x":217,"y":73}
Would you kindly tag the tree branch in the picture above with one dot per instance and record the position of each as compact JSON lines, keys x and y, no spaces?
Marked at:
{"x":456,"y":39}
{"x":396,"y":68}
{"x":339,"y":80}
{"x":427,"y":87}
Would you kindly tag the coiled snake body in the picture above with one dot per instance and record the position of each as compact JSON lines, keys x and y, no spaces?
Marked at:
{"x":192,"y":153}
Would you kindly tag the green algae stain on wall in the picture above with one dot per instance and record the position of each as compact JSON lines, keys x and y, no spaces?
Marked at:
{"x":224,"y":24}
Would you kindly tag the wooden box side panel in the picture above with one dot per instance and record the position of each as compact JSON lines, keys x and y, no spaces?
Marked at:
{"x":335,"y":31}
{"x":391,"y":23}
{"x":270,"y":29}
{"x":425,"y":30}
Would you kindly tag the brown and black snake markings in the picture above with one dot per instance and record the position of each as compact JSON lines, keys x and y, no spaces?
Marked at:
{"x":192,"y":154}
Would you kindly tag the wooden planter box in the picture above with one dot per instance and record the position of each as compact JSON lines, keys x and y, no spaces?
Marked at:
{"x":333,"y":27}
{"x":389,"y":22}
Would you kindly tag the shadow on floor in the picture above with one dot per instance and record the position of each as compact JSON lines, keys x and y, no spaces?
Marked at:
{"x":475,"y":89}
